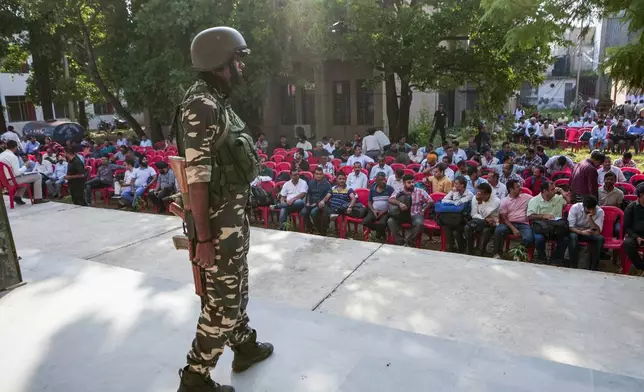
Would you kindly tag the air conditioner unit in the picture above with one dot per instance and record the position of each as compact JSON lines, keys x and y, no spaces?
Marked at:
{"x":303,"y":129}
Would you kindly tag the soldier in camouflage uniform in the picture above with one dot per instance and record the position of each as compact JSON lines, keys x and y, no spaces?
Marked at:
{"x":220,"y":164}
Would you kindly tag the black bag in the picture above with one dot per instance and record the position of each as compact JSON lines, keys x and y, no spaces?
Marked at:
{"x":551,"y":228}
{"x":358,"y":211}
{"x":585,"y":137}
{"x":477,"y":225}
{"x":396,"y":212}
{"x":260,"y":197}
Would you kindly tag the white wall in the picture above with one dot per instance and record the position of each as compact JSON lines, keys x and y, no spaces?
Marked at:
{"x":552,"y":93}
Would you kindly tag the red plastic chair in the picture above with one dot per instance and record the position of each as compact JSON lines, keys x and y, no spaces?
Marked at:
{"x":263,"y":155}
{"x":8,"y":181}
{"x":526,"y":191}
{"x":627,"y":188}
{"x":636,"y":179}
{"x":289,"y":157}
{"x":277,"y":158}
{"x":363,"y":198}
{"x":419,"y":177}
{"x":159,"y":145}
{"x":279,"y":151}
{"x":336,"y":163}
{"x":437,"y":196}
{"x":312,"y":160}
{"x":560,"y":174}
{"x":562,"y":181}
{"x":307,"y":175}
{"x":396,"y":166}
{"x":283,"y":166}
{"x":312,"y":167}
{"x":410,"y":172}
{"x":572,"y":140}
{"x":264,"y":211}
{"x":630,"y":170}
{"x":414,"y":166}
{"x":270,"y":164}
{"x":346,"y":170}
{"x":389,"y":160}
{"x":630,"y":197}
{"x":329,"y":177}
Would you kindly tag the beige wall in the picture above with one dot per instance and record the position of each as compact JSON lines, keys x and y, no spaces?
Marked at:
{"x":324,"y":77}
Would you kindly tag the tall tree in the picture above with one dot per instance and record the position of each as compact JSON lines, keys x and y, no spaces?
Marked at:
{"x":437,"y":45}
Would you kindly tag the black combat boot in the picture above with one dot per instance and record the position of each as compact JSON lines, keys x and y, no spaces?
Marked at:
{"x":250,"y":352}
{"x":195,"y":382}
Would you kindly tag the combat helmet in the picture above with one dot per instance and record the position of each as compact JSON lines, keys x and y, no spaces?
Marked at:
{"x":213,"y":48}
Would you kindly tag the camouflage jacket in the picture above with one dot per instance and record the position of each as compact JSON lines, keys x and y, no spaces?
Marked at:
{"x":217,"y":149}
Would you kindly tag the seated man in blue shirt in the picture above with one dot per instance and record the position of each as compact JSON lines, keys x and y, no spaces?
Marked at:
{"x":32,"y":145}
{"x":635,"y":133}
{"x":316,"y":198}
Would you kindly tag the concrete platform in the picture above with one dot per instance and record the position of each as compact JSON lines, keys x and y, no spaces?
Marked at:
{"x":525,"y":312}
{"x":86,"y":326}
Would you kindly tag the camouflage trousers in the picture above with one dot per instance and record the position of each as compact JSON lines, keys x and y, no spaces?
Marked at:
{"x":223,"y":320}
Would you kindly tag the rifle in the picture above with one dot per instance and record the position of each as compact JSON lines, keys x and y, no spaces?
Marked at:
{"x":188,"y":241}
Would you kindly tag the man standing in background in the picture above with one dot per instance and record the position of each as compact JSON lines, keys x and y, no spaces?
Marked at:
{"x":440,"y":123}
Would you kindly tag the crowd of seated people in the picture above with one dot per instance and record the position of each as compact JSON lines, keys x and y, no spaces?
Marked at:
{"x":505,"y":195}
{"x":617,"y":132}
{"x":46,"y":167}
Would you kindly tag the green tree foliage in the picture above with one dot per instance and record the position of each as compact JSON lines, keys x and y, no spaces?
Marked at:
{"x":436,"y":45}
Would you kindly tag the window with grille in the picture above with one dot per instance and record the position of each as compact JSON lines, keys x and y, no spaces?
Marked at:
{"x":103,"y":108}
{"x":288,"y":106}
{"x":19,"y":109}
{"x":308,"y":106}
{"x":364,"y":98}
{"x":342,"y":103}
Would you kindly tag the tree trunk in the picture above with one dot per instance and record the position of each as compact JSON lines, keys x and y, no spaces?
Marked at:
{"x":92,"y":70}
{"x":392,"y":107}
{"x":156,"y":133}
{"x":82,"y":115}
{"x":40,"y":64}
{"x":3,"y":121}
{"x":405,"y":107}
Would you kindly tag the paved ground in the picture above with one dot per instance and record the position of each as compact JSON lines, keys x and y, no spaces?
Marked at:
{"x":591,"y":320}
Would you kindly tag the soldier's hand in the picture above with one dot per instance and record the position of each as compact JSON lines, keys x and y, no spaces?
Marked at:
{"x":206,"y":254}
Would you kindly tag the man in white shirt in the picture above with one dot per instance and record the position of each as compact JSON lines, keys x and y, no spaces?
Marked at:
{"x":145,"y":142}
{"x":459,"y":153}
{"x":519,"y":112}
{"x":371,"y":145}
{"x":498,"y":188}
{"x":532,"y":127}
{"x":358,"y":156}
{"x":381,"y":167}
{"x":292,"y":196}
{"x":327,"y":145}
{"x":12,"y":135}
{"x":588,"y":123}
{"x":607,"y":167}
{"x":488,"y":159}
{"x":9,"y":158}
{"x":585,"y":220}
{"x":547,"y":134}
{"x":142,"y":180}
{"x":395,"y":180}
{"x":485,"y":218}
{"x":121,"y":140}
{"x":304,"y":144}
{"x":44,"y":167}
{"x":383,"y":139}
{"x":415,"y":155}
{"x":357,"y":179}
{"x":599,"y":137}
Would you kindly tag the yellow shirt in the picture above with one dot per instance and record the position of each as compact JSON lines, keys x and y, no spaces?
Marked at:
{"x":444,"y":185}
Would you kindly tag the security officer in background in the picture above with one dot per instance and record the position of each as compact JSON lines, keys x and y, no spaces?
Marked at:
{"x":220,"y":164}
